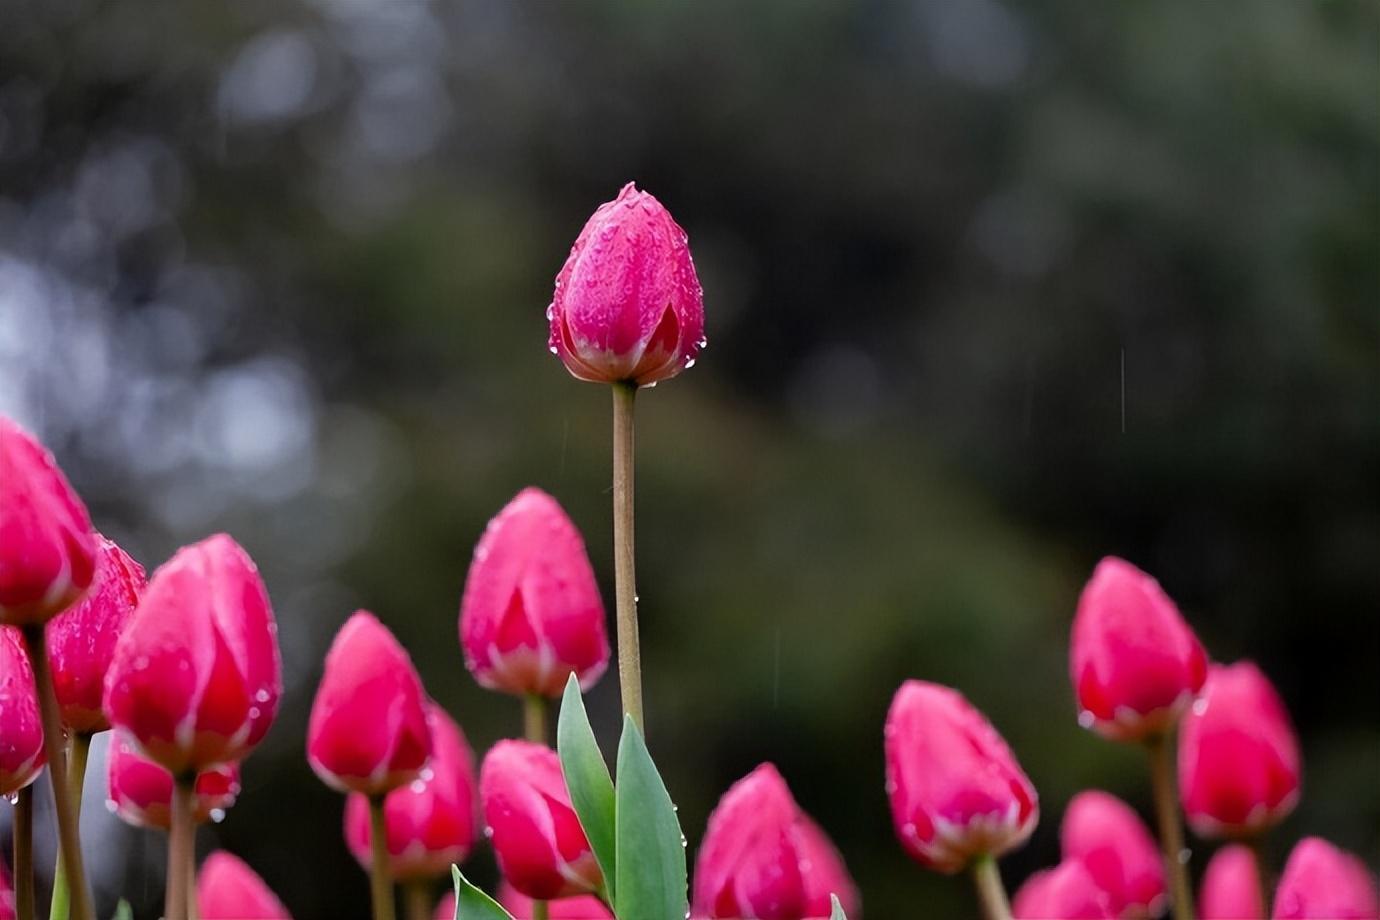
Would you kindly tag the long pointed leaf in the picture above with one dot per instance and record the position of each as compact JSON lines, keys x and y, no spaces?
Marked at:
{"x":587,"y":778}
{"x":473,"y":904}
{"x":836,"y":909}
{"x":651,"y":848}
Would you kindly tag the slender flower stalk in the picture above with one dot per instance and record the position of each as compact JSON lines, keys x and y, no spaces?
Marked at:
{"x":24,"y":853}
{"x":991,"y":894}
{"x":181,"y":850}
{"x":534,"y":722}
{"x":624,"y":553}
{"x":68,"y":841}
{"x":78,"y":749}
{"x":380,"y":885}
{"x":1256,"y":844}
{"x":1171,"y":832}
{"x":417,"y":895}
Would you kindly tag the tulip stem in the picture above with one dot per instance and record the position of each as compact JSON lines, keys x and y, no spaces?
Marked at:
{"x":181,"y":849}
{"x":78,"y":748}
{"x":534,"y":717}
{"x":1256,"y":843}
{"x":991,"y":894}
{"x":70,"y":844}
{"x":1161,"y":752}
{"x":624,"y":554}
{"x":24,"y":853}
{"x":417,"y":897}
{"x":380,"y":883}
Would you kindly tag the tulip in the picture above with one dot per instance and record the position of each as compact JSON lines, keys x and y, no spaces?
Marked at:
{"x":763,"y":857}
{"x":1066,"y":892}
{"x":81,"y":640}
{"x":141,"y":791}
{"x":628,"y":305}
{"x":196,"y":676}
{"x":1115,"y":846}
{"x":21,"y":752}
{"x":227,"y":889}
{"x":431,"y":821}
{"x":1322,"y":881}
{"x":579,"y":907}
{"x":956,"y":789}
{"x":531,"y":614}
{"x":541,"y":849}
{"x":1238,"y":756}
{"x":368,"y":731}
{"x":7,"y":905}
{"x":1231,"y":886}
{"x":47,"y":552}
{"x":1134,"y":662}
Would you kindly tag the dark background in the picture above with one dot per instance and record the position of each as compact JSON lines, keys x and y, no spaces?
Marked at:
{"x":993,"y":289}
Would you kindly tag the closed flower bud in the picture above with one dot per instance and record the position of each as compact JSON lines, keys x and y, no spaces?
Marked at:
{"x":47,"y":552}
{"x":1134,"y":662}
{"x":956,"y":789}
{"x":1231,"y":886}
{"x":1321,"y":881}
{"x":81,"y":639}
{"x":762,"y":857}
{"x":531,"y":614}
{"x":227,"y":889}
{"x":628,"y":306}
{"x":141,"y":791}
{"x":1115,"y":846}
{"x":1238,"y":757}
{"x":196,"y":676}
{"x":541,"y":849}
{"x":1066,"y":892}
{"x":368,"y":731}
{"x":21,"y":730}
{"x":430,"y":821}
{"x":7,"y":907}
{"x":579,"y":907}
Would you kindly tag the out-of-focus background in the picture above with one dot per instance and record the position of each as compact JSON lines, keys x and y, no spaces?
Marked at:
{"x":993,"y":289}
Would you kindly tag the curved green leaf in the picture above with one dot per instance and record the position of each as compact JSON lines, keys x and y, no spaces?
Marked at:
{"x":473,"y":904}
{"x":587,"y":778}
{"x":651,"y":848}
{"x":836,"y":909}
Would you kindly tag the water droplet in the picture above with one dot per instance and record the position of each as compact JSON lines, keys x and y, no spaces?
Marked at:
{"x":1200,"y":706}
{"x":1086,"y":719}
{"x":217,"y":815}
{"x":262,"y":695}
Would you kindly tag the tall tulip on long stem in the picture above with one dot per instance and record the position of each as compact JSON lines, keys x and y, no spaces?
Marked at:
{"x":627,"y":311}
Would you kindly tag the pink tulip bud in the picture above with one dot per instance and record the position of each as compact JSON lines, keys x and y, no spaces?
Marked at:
{"x":81,"y":639}
{"x":368,"y":731}
{"x":1066,"y":892}
{"x":1322,"y":881}
{"x":21,"y":729}
{"x":536,"y":836}
{"x":1117,"y":849}
{"x":628,"y":306}
{"x":196,"y":676}
{"x":7,"y":907}
{"x":763,"y":857}
{"x":531,"y":615}
{"x":1231,"y":886}
{"x":579,"y":907}
{"x":141,"y":791}
{"x":47,"y":552}
{"x":431,"y":821}
{"x":956,"y":789}
{"x":227,"y":889}
{"x":1134,"y":662}
{"x":1238,"y":757}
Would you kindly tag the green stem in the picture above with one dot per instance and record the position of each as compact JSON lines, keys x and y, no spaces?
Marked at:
{"x":624,"y":556}
{"x":380,"y":882}
{"x":417,"y":897}
{"x":1171,"y":831}
{"x":181,"y":849}
{"x":991,"y":894}
{"x":68,"y":841}
{"x":24,"y":853}
{"x":1262,"y":877}
{"x":78,"y":748}
{"x":534,"y":717}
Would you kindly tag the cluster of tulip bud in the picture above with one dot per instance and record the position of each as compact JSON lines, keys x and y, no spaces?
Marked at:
{"x":186,"y":670}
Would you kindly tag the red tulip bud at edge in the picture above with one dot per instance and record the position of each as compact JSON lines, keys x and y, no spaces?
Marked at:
{"x":227,"y":889}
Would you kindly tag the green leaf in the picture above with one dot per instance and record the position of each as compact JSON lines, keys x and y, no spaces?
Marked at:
{"x":651,"y":849}
{"x":836,"y":909}
{"x":123,"y":911}
{"x":473,"y":904}
{"x":587,"y":778}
